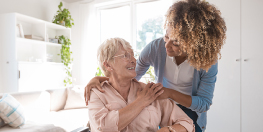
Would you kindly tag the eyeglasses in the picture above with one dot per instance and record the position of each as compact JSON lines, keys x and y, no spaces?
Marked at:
{"x":126,"y":56}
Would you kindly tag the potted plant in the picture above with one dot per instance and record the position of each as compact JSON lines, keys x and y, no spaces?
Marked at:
{"x":66,"y":59}
{"x":63,"y":17}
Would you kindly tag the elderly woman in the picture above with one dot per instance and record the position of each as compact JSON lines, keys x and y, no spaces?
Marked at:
{"x":129,"y":105}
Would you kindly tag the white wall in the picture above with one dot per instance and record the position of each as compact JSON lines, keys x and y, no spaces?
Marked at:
{"x":41,"y":9}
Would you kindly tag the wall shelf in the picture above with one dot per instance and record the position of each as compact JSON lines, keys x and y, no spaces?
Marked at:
{"x":29,"y":62}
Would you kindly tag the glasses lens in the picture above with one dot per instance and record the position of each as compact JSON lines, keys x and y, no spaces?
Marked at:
{"x":127,"y":55}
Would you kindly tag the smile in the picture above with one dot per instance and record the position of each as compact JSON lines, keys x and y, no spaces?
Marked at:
{"x":168,"y":51}
{"x":131,"y":68}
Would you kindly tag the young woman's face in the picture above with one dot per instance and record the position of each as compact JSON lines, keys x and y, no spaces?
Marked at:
{"x":172,"y":46}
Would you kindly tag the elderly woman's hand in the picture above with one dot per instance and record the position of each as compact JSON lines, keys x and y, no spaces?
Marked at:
{"x":149,"y":93}
{"x":164,"y":129}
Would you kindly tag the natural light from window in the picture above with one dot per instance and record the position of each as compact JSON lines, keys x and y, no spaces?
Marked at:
{"x":115,"y":22}
{"x":145,"y":17}
{"x":150,"y":20}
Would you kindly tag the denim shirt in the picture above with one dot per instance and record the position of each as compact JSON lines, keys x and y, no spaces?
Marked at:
{"x":154,"y":54}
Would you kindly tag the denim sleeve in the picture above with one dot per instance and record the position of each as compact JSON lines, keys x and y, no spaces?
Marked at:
{"x":146,"y":59}
{"x":143,"y":63}
{"x":202,"y":101}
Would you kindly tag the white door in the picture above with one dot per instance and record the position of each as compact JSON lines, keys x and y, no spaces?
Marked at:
{"x":252,"y":65}
{"x":224,"y":114}
{"x":8,"y":63}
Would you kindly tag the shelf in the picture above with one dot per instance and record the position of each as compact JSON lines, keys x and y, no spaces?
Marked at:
{"x":28,"y":19}
{"x":35,"y":59}
{"x":53,"y":44}
{"x":56,"y":26}
{"x":24,"y":40}
{"x":55,"y":63}
{"x":52,"y":63}
{"x":30,"y":40}
{"x":28,"y":62}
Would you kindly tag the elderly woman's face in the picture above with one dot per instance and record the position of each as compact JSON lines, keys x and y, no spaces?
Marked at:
{"x":124,"y":64}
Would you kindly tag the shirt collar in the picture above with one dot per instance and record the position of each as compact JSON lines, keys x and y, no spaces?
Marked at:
{"x":107,"y":82}
{"x":174,"y":60}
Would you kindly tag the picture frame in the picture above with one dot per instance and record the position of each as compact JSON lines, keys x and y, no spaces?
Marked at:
{"x":20,"y":32}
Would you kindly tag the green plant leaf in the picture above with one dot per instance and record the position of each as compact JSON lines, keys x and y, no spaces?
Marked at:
{"x":66,"y":57}
{"x":63,"y":15}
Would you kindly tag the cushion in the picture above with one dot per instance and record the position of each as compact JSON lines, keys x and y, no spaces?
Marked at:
{"x":58,"y":99}
{"x":34,"y":127}
{"x":11,"y":111}
{"x":2,"y":122}
{"x":35,"y":104}
{"x":75,"y":98}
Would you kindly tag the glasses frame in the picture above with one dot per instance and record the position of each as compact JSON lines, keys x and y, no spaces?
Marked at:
{"x":126,"y":58}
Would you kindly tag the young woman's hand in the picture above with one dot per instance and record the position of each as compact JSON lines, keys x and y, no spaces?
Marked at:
{"x":165,"y":94}
{"x":149,"y":93}
{"x":93,"y":83}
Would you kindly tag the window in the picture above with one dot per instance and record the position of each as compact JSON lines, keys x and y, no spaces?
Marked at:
{"x":137,"y":21}
{"x":149,"y":22}
{"x":115,"y":22}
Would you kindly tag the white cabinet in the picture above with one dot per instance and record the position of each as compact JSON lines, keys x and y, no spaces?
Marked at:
{"x":224,"y":114}
{"x":237,"y":102}
{"x":27,"y":64}
{"x":251,"y":65}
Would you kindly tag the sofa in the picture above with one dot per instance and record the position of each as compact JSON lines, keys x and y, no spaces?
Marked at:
{"x":56,"y":110}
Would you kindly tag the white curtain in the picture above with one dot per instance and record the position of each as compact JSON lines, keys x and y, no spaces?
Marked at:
{"x":85,"y":41}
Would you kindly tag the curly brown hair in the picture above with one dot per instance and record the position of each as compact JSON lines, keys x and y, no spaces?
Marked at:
{"x":199,"y":29}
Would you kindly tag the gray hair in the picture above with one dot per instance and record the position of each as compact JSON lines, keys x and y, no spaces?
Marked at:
{"x":108,"y":49}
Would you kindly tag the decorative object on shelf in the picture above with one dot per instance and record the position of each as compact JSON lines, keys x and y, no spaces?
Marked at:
{"x":53,"y":40}
{"x":20,"y":30}
{"x":34,"y":37}
{"x":49,"y":57}
{"x":66,"y":58}
{"x":63,"y":17}
{"x":47,"y":38}
{"x":17,"y":31}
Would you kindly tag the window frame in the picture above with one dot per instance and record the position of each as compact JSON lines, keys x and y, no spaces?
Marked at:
{"x":120,"y":3}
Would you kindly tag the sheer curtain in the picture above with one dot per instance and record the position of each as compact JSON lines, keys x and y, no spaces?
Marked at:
{"x":85,"y":42}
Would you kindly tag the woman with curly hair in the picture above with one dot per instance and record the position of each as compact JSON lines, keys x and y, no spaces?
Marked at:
{"x":185,"y":60}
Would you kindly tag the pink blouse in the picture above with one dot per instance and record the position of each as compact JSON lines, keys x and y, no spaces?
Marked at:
{"x":104,"y":114}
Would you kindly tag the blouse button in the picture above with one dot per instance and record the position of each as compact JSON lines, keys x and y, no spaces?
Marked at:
{"x":99,"y":129}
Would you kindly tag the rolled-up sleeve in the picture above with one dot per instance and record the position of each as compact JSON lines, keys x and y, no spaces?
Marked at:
{"x":202,"y":100}
{"x":172,"y":114}
{"x":102,"y":118}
